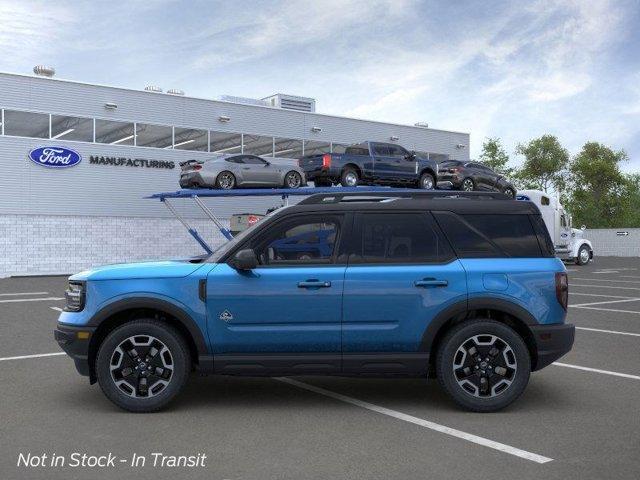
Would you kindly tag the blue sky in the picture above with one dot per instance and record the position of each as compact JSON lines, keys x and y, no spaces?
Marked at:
{"x":514,"y":70}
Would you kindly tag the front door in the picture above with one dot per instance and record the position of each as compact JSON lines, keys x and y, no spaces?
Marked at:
{"x":286,"y":313}
{"x":402,"y":274}
{"x":259,"y":171}
{"x":404,"y":165}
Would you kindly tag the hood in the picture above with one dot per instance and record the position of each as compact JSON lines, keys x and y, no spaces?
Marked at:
{"x":577,"y":233}
{"x":126,"y":271}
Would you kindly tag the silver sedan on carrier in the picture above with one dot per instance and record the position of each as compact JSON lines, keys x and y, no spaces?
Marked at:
{"x":241,"y":170}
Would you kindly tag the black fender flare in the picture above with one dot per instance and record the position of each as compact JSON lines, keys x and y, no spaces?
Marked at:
{"x":463,"y":307}
{"x":132,"y":303}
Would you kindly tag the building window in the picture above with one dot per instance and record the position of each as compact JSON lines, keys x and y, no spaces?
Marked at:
{"x":312,"y":147}
{"x":258,"y":145}
{"x":26,"y":124}
{"x":338,"y":148}
{"x":72,"y":128}
{"x":224,"y":142}
{"x":114,"y":133}
{"x":287,"y":148}
{"x":190,"y":139}
{"x":158,"y":136}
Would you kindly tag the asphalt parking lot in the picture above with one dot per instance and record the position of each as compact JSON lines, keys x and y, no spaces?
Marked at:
{"x":577,"y":419}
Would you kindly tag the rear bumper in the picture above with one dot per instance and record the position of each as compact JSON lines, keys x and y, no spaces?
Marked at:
{"x":75,"y":343}
{"x":552,"y":342}
{"x":191,"y":180}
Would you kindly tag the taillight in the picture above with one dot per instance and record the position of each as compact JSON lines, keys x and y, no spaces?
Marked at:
{"x":326,"y":161}
{"x":197,"y":167}
{"x":562,"y":289}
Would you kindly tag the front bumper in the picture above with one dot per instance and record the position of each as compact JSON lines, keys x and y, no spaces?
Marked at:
{"x":75,"y":343}
{"x":552,"y":342}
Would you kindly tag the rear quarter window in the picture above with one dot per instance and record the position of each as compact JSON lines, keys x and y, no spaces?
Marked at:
{"x":490,"y":235}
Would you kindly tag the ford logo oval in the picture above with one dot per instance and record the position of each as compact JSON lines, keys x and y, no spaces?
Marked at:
{"x":55,"y":157}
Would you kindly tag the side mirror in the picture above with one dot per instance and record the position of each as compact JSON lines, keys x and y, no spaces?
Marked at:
{"x":244,"y":260}
{"x":583,"y":228}
{"x":410,"y":156}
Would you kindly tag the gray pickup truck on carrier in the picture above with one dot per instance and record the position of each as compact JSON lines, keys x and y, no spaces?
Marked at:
{"x":371,"y":163}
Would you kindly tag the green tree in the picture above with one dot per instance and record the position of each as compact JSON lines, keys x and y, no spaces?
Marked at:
{"x":545,"y":164}
{"x":495,"y":156}
{"x":600,"y":193}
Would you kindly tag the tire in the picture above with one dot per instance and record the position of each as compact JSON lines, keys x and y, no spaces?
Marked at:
{"x":170,"y":364}
{"x":584,"y":255}
{"x":510,"y":192}
{"x":349,"y":178}
{"x":292,"y":180}
{"x":468,"y":185}
{"x":459,"y":377}
{"x":322,"y":182}
{"x":225,"y":180}
{"x":426,"y":182}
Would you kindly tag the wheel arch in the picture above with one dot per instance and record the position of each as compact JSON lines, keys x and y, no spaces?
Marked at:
{"x":354,"y":166}
{"x":430,"y":171}
{"x":503,"y":311}
{"x":123,"y":311}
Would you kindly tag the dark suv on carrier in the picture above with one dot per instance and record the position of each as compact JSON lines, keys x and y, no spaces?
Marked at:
{"x":470,"y":176}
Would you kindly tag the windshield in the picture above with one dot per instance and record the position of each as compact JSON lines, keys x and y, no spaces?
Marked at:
{"x":223,"y":249}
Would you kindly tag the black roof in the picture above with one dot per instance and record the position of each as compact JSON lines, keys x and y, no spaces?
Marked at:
{"x":467,"y":204}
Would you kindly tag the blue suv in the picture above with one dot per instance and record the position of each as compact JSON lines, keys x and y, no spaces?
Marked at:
{"x":464,"y":287}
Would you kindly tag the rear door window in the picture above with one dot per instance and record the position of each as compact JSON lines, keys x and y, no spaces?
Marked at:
{"x":398,"y":238}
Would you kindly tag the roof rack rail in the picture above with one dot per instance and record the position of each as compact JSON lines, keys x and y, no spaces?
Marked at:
{"x":377,"y":196}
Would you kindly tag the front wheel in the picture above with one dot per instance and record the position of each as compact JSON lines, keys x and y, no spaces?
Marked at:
{"x":584,"y":255}
{"x":427,"y":182}
{"x":483,"y":365}
{"x":142,"y":365}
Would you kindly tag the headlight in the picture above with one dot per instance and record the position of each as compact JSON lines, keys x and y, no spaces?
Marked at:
{"x":75,"y":296}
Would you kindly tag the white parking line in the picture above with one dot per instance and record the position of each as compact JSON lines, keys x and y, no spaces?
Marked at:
{"x":605,"y":286}
{"x":607,"y":280}
{"x":57,"y":309}
{"x":22,"y":293}
{"x":607,"y":309}
{"x":606,"y":301}
{"x":629,"y":276}
{"x":14,"y":300}
{"x":608,"y":331}
{"x":597,"y":370}
{"x":22,"y":357}
{"x":485,"y":442}
{"x":596,"y":295}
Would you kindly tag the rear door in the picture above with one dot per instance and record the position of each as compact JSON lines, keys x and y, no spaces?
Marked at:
{"x":401,"y":274}
{"x":383,"y":161}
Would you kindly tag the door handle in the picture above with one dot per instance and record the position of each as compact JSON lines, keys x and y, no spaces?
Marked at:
{"x":430,"y":282}
{"x":246,"y":168}
{"x":314,"y":284}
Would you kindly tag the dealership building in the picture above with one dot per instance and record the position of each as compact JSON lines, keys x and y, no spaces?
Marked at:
{"x":129,"y":144}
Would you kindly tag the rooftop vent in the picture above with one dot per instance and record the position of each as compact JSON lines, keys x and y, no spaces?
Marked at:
{"x":153,"y":88}
{"x":244,"y":100}
{"x":175,"y":91}
{"x":44,"y":71}
{"x":422,"y":124}
{"x":292,"y":102}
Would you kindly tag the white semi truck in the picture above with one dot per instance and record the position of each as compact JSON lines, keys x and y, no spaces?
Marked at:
{"x":569,"y":242}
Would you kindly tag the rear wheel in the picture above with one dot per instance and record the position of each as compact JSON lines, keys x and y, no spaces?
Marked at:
{"x":349,"y":178}
{"x":467,"y":185}
{"x":509,"y":192}
{"x":483,"y":365}
{"x":426,"y":182}
{"x":292,"y":179}
{"x":226,"y":180}
{"x":142,"y":365}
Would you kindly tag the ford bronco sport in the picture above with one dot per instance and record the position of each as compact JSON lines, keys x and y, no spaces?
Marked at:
{"x":461,"y":286}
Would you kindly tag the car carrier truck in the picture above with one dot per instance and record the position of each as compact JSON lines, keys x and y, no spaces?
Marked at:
{"x":569,"y":242}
